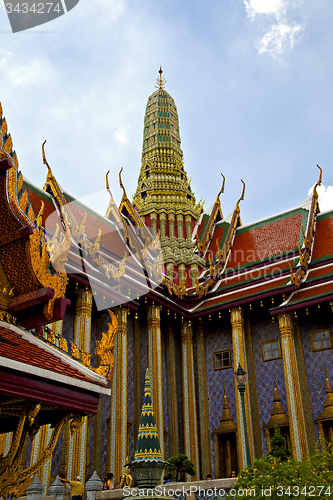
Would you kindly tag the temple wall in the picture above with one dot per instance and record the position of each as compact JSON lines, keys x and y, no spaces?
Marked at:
{"x":218,"y":337}
{"x":314,"y":360}
{"x":262,"y":330}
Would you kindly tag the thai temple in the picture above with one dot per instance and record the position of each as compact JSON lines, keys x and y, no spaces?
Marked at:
{"x":89,"y":302}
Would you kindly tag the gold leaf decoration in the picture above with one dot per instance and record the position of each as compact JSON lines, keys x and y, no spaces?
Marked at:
{"x":105,"y":347}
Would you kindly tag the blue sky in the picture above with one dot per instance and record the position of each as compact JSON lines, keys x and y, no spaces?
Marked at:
{"x":252,"y":81}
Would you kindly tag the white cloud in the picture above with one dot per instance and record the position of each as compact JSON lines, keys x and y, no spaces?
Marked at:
{"x":281,"y":37}
{"x":121,"y":136}
{"x":325,"y":197}
{"x":254,"y":7}
{"x":282,"y":34}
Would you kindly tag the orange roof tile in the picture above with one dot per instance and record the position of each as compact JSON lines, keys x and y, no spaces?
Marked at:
{"x":323,"y":242}
{"x":265,"y":241}
{"x":18,"y":348}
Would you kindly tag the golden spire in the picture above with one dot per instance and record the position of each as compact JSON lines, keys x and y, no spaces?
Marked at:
{"x":278,"y":414}
{"x":160,"y":81}
{"x":226,"y":421}
{"x":327,"y":412}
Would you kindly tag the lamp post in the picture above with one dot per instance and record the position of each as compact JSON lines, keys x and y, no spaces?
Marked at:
{"x":241,"y":379}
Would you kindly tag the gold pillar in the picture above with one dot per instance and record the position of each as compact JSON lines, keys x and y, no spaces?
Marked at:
{"x":82,"y":321}
{"x":153,"y":222}
{"x":38,"y":446}
{"x":118,"y":416}
{"x":64,"y":451}
{"x":181,"y":269}
{"x":238,"y":347}
{"x":189,"y":399}
{"x":137,"y":377}
{"x":206,"y":463}
{"x":155,"y":367}
{"x":82,"y":334}
{"x":162,"y":224}
{"x":188,"y":227}
{"x":172,"y":390}
{"x":194,"y":272}
{"x":180,"y":227}
{"x":171,"y":225}
{"x":170,"y":267}
{"x":298,"y":435}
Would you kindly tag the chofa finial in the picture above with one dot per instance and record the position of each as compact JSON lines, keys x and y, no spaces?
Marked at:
{"x":160,"y":81}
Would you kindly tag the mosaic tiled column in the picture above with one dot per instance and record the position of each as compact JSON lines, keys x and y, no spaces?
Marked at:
{"x":38,"y":447}
{"x":299,"y":444}
{"x":162,"y":224}
{"x":189,"y":399}
{"x":137,"y":376}
{"x":194,"y":272}
{"x":238,"y":345}
{"x":169,"y":270}
{"x":153,"y":222}
{"x":5,"y":441}
{"x":180,"y":227}
{"x":188,"y":227}
{"x":171,"y":225}
{"x":118,"y":415}
{"x":64,"y":450}
{"x":82,"y":321}
{"x":206,"y":465}
{"x":181,"y":268}
{"x":155,"y":367}
{"x":172,"y":392}
{"x":82,"y":335}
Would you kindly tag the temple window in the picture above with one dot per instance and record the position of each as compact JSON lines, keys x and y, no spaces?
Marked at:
{"x":271,"y":350}
{"x":222,"y":359}
{"x":321,"y":339}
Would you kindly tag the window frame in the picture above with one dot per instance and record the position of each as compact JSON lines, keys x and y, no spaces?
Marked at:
{"x":222,"y":367}
{"x":270,"y":342}
{"x":328,"y":330}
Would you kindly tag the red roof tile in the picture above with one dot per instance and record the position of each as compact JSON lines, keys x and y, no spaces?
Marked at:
{"x":271,"y":270}
{"x":244,"y":293}
{"x":265,"y":241}
{"x":17,"y":348}
{"x":312,"y":292}
{"x":323,"y":242}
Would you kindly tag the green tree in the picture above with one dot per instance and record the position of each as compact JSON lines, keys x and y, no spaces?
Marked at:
{"x":275,"y":478}
{"x":181,"y":464}
{"x":277,"y":442}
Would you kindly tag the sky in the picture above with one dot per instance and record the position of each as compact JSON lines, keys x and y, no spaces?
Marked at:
{"x":252,"y":81}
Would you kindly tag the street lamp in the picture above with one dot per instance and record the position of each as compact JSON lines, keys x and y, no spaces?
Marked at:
{"x":241,"y":379}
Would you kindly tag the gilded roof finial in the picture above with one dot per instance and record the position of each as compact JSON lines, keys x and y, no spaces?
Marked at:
{"x":49,"y":175}
{"x":243,"y":192}
{"x":318,"y":183}
{"x":121,"y":184}
{"x":222,"y":188}
{"x":160,"y":81}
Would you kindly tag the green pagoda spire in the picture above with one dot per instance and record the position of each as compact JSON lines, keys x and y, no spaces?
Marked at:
{"x":148,"y":444}
{"x":163,"y":180}
{"x":164,"y":198}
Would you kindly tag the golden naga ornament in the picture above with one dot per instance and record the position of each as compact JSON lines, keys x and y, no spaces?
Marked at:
{"x":104,"y":349}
